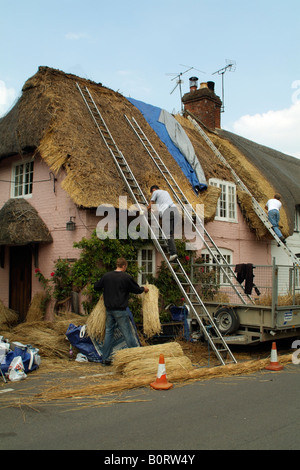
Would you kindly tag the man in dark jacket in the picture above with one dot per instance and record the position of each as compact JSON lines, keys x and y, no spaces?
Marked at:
{"x":117,"y":286}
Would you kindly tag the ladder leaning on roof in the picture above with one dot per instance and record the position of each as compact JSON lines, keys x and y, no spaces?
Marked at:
{"x":190,"y":213}
{"x":193,"y":300}
{"x":256,"y":206}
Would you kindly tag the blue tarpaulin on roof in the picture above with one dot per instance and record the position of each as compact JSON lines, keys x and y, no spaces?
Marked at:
{"x":188,"y":162}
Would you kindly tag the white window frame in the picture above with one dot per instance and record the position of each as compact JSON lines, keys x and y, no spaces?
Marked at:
{"x":227,"y":207}
{"x":24,"y":186}
{"x":148,"y":264}
{"x":209,"y":259}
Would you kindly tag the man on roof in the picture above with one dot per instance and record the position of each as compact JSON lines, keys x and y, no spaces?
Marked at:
{"x":273,"y":206}
{"x":166,"y":208}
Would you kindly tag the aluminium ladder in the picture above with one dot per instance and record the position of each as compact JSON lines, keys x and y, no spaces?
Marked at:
{"x":192,"y":214}
{"x":256,"y":206}
{"x":193,"y":300}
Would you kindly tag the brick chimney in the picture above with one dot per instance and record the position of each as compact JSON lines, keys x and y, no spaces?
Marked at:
{"x":203,"y":103}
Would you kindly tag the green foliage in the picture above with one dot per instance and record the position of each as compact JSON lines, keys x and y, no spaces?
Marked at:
{"x":96,"y":257}
{"x":99,"y":256}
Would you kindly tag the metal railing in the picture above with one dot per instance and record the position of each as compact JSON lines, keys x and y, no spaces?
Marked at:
{"x":271,"y":284}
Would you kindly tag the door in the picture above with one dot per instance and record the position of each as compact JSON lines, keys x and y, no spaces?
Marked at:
{"x":20,"y":279}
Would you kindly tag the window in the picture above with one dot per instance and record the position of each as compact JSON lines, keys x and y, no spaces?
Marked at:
{"x":146,"y":261}
{"x":22,"y":178}
{"x":225,"y":257}
{"x":226,"y":209}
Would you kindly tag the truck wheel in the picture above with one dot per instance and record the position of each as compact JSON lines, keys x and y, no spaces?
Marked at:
{"x":227,"y":320}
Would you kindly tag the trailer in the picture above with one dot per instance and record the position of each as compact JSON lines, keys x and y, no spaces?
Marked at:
{"x":272,"y":310}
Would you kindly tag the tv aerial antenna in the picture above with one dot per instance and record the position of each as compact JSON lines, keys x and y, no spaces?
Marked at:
{"x":179,"y":80}
{"x":230,"y":67}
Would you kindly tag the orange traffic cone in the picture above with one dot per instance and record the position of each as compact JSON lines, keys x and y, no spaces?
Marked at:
{"x":161,"y":382}
{"x":274,"y":364}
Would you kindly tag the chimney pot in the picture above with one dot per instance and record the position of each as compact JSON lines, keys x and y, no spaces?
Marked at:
{"x":193,"y":84}
{"x":211,"y":86}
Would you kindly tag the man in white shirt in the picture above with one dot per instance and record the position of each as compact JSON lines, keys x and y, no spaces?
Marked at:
{"x":273,"y":206}
{"x":165,"y":204}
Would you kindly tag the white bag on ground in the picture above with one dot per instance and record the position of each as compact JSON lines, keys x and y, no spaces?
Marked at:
{"x":16,"y":370}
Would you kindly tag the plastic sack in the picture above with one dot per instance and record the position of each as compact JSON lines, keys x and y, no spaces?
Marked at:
{"x":29,"y":355}
{"x":16,"y":370}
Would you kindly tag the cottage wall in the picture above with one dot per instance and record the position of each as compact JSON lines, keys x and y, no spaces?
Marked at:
{"x":236,"y":236}
{"x":55,"y":207}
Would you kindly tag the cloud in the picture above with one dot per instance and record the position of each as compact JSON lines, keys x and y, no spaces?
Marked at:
{"x":7,"y":97}
{"x":276,"y":129}
{"x":75,"y":36}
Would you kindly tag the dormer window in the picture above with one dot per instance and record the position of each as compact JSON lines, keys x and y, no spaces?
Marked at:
{"x":226,"y":209}
{"x":22,"y":179}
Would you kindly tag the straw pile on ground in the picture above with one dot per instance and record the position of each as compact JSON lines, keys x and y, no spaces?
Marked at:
{"x":151,"y":321}
{"x":7,"y":317}
{"x":48,"y":337}
{"x":140,"y":362}
{"x":105,"y":386}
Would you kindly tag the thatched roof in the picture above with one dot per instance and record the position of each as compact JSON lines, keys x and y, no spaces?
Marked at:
{"x":280,"y":170}
{"x":20,"y":224}
{"x":263,"y":170}
{"x":51,"y":119}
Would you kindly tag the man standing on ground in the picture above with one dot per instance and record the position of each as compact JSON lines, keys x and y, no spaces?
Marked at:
{"x":165,"y":204}
{"x":117,"y":286}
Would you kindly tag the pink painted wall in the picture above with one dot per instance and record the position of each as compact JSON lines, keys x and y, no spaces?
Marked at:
{"x":55,"y":208}
{"x":238,"y":238}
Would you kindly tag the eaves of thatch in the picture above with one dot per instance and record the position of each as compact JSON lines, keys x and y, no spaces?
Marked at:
{"x":20,"y":224}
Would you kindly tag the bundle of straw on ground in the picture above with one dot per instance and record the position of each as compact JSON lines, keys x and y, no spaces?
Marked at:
{"x":151,"y":321}
{"x":95,"y":324}
{"x":36,"y":310}
{"x":7,"y":317}
{"x":146,"y":367}
{"x":126,"y":356}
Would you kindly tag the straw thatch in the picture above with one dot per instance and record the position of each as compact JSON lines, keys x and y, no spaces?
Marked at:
{"x":144,"y":367}
{"x":20,"y":224}
{"x":51,"y":119}
{"x":7,"y":316}
{"x":95,"y":325}
{"x":270,"y":171}
{"x":151,"y":321}
{"x":36,"y":309}
{"x":125,"y":356}
{"x":48,"y":337}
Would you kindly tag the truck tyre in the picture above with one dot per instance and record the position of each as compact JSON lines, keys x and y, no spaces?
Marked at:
{"x":227,"y":320}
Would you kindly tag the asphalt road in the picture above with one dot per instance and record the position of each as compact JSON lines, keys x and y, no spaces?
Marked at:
{"x":256,"y":412}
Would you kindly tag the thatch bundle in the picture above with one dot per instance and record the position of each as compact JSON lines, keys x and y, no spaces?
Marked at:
{"x":36,"y":310}
{"x":95,"y":324}
{"x":21,"y":224}
{"x":145,"y":367}
{"x":125,"y":356}
{"x":7,"y":316}
{"x":151,"y":321}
